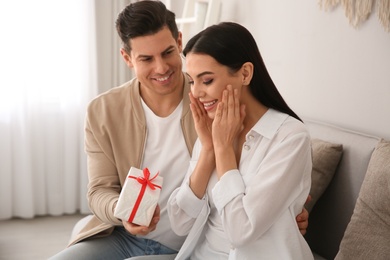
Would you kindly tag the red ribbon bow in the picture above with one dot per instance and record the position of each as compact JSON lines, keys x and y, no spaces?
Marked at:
{"x":145,"y":181}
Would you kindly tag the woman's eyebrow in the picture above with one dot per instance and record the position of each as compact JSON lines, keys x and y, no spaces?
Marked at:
{"x":204,"y":73}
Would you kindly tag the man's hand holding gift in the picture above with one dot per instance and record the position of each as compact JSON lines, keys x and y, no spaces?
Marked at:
{"x":137,"y":206}
{"x":135,"y":229}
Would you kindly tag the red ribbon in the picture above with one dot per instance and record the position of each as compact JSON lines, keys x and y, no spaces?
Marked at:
{"x":145,"y":181}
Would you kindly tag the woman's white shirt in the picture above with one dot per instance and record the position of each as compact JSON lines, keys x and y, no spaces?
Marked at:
{"x":251,"y":210}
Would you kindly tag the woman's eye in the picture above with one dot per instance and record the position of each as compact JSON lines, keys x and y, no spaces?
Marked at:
{"x":191,"y":82}
{"x":208,"y":82}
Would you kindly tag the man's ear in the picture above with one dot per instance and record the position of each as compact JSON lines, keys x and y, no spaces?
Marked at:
{"x":180,"y":42}
{"x":127,"y":58}
{"x":247,"y":73}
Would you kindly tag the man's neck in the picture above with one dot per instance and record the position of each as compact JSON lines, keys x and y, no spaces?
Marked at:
{"x":163,"y":105}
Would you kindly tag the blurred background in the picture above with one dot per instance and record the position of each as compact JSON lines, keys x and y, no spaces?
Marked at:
{"x":55,"y":56}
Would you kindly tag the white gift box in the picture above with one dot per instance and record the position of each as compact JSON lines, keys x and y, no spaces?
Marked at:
{"x":139,"y":197}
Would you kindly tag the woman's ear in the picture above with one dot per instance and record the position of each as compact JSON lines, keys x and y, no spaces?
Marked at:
{"x":247,"y":73}
{"x":127,"y":58}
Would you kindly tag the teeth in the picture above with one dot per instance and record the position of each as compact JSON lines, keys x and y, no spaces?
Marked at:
{"x":209,"y":103}
{"x":162,"y":79}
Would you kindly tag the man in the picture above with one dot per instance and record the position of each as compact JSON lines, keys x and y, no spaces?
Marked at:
{"x":146,"y":122}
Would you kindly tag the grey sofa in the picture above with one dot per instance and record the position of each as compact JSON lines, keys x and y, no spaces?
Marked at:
{"x":332,"y":212}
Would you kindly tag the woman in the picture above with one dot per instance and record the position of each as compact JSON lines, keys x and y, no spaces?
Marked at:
{"x":249,"y":175}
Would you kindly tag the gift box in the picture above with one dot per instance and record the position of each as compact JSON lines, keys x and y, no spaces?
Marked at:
{"x":139,"y":197}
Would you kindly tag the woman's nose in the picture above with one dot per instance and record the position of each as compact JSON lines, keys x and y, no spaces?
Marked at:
{"x":197,"y":91}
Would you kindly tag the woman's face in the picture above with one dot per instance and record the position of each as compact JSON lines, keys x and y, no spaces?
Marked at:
{"x":208,"y":79}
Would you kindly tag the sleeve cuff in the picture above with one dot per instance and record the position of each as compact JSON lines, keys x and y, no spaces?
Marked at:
{"x":227,"y":188}
{"x":188,"y":202}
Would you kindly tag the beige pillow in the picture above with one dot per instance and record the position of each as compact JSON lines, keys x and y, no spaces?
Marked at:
{"x":368,"y":233}
{"x":326,"y":157}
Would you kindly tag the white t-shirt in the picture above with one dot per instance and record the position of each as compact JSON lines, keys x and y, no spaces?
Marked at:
{"x":165,"y":152}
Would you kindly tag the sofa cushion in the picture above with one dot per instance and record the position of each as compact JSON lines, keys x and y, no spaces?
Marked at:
{"x":326,"y":157}
{"x":368,"y":233}
{"x":332,"y":212}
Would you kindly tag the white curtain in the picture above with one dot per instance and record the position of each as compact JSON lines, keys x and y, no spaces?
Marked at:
{"x":55,"y":56}
{"x":48,"y":74}
{"x":112,"y":70}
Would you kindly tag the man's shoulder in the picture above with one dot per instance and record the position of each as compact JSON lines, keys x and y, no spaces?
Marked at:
{"x":115,"y":92}
{"x":116,"y":96}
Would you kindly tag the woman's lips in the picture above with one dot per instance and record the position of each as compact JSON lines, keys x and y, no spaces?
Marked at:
{"x":209,"y":105}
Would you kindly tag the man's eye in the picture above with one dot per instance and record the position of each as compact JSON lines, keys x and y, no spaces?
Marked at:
{"x":168,"y":52}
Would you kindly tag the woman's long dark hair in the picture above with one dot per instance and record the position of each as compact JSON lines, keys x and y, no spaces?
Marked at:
{"x":232,"y":45}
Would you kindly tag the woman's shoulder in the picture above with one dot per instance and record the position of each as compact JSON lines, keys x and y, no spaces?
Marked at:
{"x":274,"y":122}
{"x":294,"y":127}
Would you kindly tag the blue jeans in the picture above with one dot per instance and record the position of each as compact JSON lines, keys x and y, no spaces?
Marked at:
{"x":119,"y":245}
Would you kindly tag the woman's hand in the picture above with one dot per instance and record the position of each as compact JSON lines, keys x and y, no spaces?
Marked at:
{"x":227,"y":125}
{"x":202,"y":123}
{"x":228,"y":121}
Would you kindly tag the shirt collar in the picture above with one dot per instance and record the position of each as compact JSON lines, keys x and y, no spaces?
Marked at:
{"x":269,"y":123}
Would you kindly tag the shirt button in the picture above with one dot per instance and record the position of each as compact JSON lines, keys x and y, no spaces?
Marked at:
{"x":247,"y":147}
{"x":250,"y":137}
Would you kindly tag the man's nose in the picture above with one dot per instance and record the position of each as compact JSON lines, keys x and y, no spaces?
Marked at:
{"x":161,"y":66}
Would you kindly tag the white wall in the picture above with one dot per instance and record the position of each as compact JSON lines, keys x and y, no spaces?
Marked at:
{"x":325,"y":69}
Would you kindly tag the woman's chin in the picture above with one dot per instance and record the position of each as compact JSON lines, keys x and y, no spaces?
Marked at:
{"x":211,"y":115}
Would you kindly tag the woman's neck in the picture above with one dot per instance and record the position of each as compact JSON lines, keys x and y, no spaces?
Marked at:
{"x":254,"y":110}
